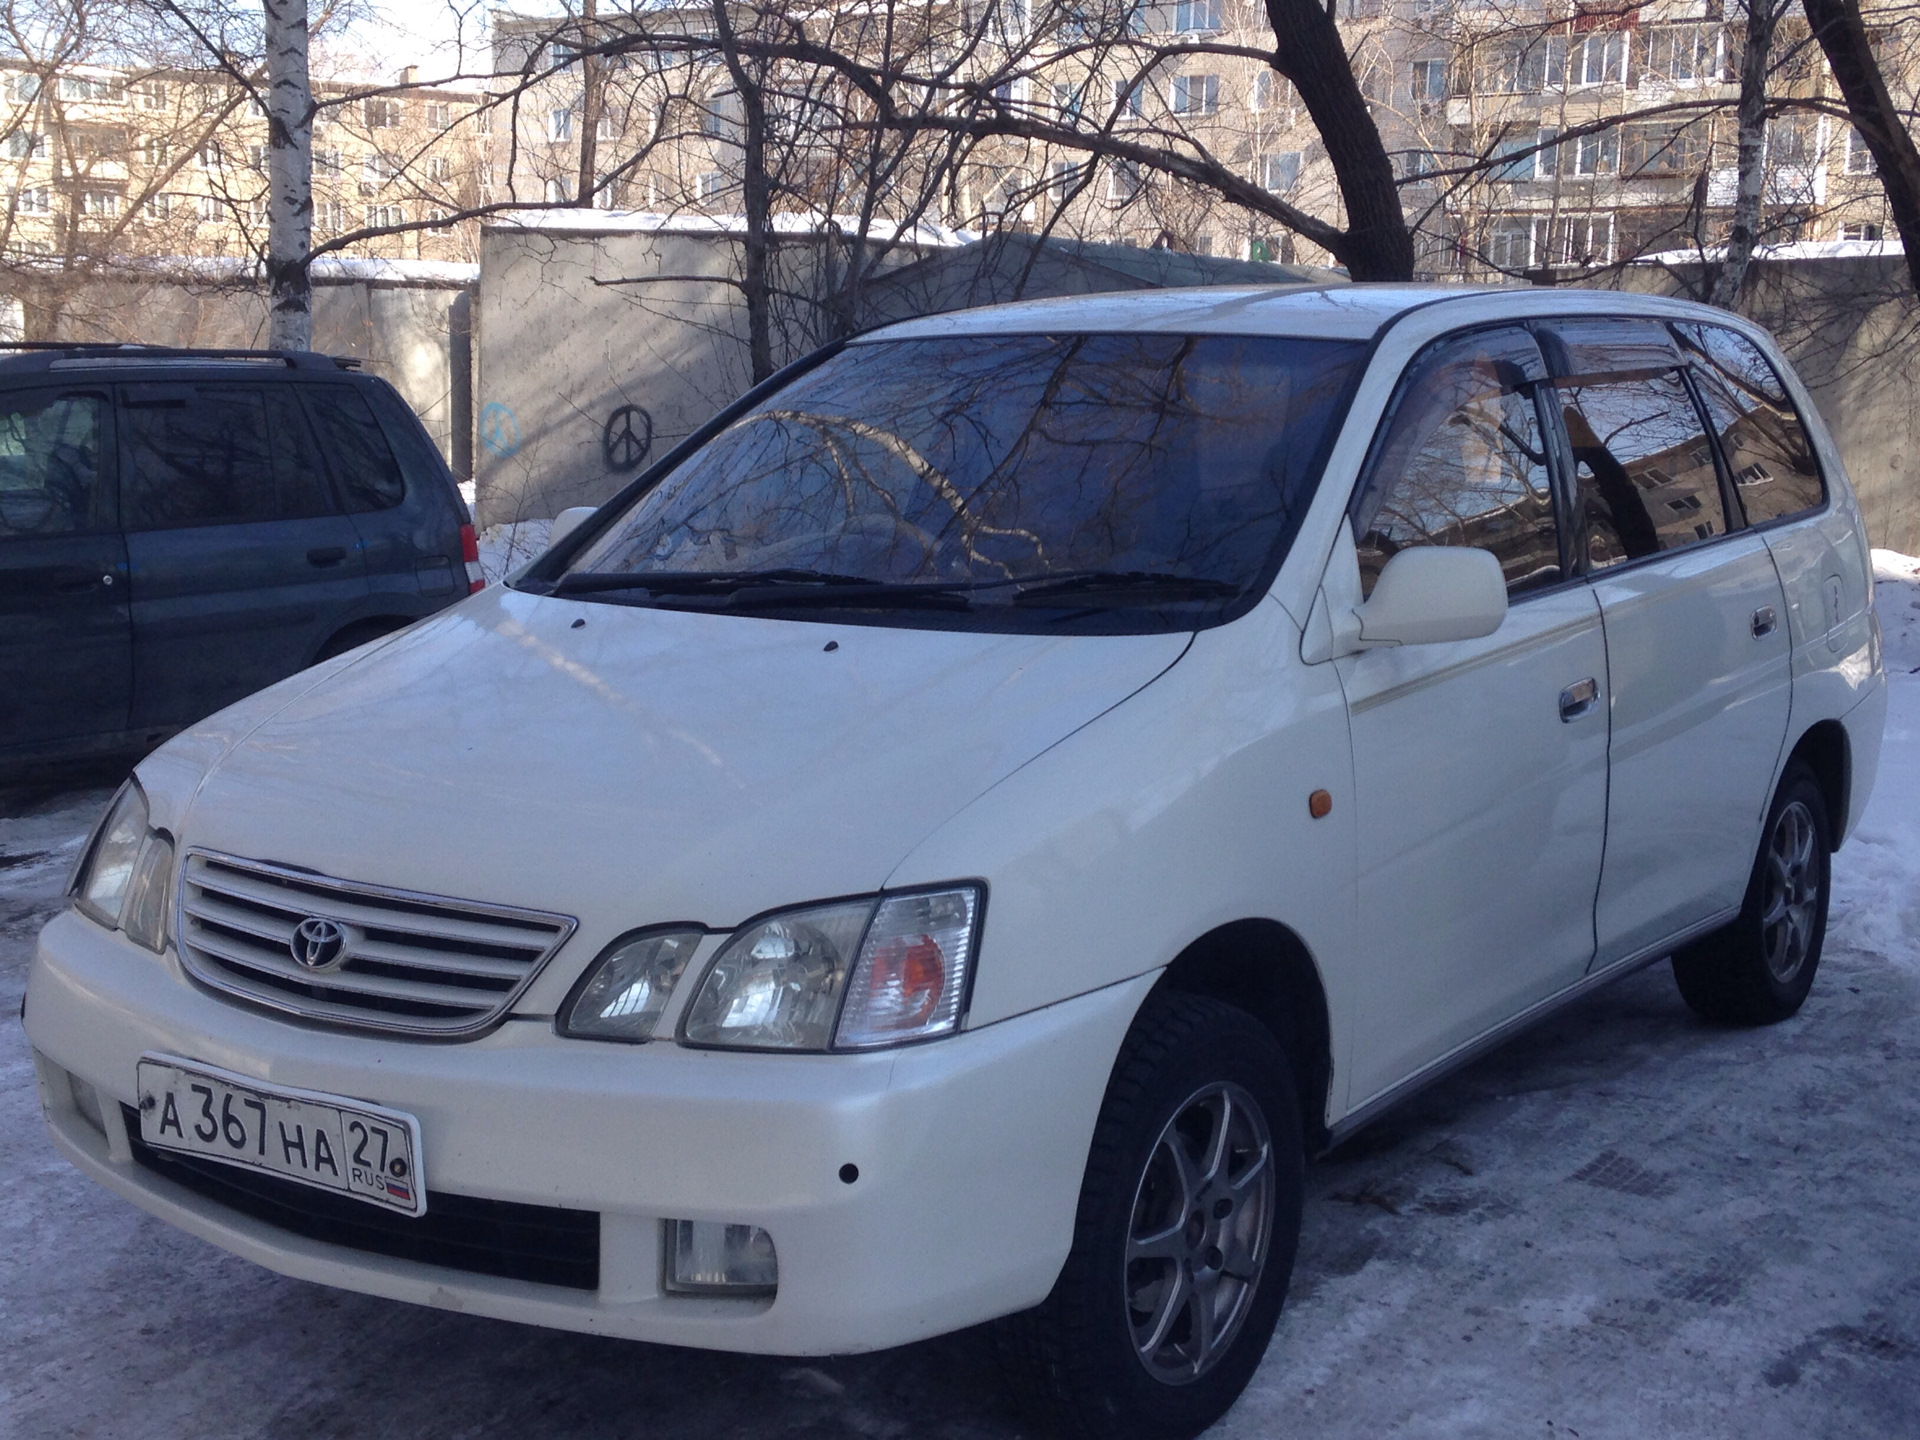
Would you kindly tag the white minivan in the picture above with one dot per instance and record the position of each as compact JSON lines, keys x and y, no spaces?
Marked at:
{"x":954,"y":839}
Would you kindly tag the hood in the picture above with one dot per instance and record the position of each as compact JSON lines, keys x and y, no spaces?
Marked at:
{"x":648,"y":766}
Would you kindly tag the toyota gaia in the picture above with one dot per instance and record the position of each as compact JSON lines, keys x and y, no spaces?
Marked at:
{"x":951,"y":841}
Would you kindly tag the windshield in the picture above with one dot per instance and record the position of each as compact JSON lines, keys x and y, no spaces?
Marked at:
{"x":1016,"y":481}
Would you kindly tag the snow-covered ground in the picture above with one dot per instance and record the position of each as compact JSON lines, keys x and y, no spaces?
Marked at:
{"x":505,"y":548}
{"x":1623,"y":1225}
{"x":1876,"y":902}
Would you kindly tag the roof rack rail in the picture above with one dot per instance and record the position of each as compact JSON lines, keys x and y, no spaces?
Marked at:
{"x":135,"y":351}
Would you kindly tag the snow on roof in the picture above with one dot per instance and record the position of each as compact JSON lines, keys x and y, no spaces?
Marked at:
{"x":578,"y":220}
{"x":365,"y":268}
{"x":1792,"y":250}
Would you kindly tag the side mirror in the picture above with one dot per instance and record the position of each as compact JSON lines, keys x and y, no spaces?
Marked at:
{"x":566,"y":522}
{"x":1433,"y":593}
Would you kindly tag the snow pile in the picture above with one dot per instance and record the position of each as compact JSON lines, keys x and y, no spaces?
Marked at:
{"x":505,"y":548}
{"x":1876,"y":892}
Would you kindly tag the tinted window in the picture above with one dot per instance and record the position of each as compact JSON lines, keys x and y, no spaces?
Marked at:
{"x":51,"y":449}
{"x":995,"y":466}
{"x":300,"y":479}
{"x":1774,"y":471}
{"x":1462,"y":462}
{"x":1644,"y":477}
{"x":357,"y":449}
{"x":198,"y":455}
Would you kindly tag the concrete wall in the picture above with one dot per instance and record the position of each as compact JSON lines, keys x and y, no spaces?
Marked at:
{"x":410,"y":334}
{"x":1851,"y":326}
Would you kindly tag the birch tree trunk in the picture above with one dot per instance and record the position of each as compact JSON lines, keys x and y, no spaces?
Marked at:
{"x":756,"y":197}
{"x":289,"y":177}
{"x":1752,"y":113}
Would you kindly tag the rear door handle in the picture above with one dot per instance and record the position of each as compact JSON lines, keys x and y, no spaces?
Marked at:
{"x":1764,"y":622}
{"x":328,"y":555}
{"x":1578,"y":698}
{"x":78,"y":582}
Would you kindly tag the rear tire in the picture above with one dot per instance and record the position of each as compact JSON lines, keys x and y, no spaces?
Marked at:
{"x":1758,"y":970}
{"x":1184,"y":1241}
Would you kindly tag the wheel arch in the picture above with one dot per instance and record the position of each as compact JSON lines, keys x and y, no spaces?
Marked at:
{"x":1829,"y":754}
{"x":359,"y":632}
{"x":1264,"y":968}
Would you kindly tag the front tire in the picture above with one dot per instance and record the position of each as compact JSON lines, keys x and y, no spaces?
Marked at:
{"x":1184,"y":1241}
{"x":1758,"y":970}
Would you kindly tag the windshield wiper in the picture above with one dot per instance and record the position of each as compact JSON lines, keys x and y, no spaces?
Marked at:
{"x":1125,"y":587}
{"x":696,"y":582}
{"x":865,"y":595}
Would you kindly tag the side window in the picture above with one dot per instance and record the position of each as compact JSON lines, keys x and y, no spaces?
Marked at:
{"x":300,"y":481}
{"x":362,"y":460}
{"x":197,"y":455}
{"x":1461,"y":462}
{"x":1774,"y":472}
{"x":1644,"y":477}
{"x":52,"y":449}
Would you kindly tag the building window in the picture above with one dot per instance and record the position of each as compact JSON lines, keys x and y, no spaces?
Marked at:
{"x":208,"y":156}
{"x":1597,"y":154}
{"x":1196,"y":94}
{"x":375,"y":171}
{"x":99,"y":203}
{"x":330,"y":216}
{"x":1201,"y":17}
{"x":23,"y":89}
{"x":33,"y":200}
{"x":1686,"y":54}
{"x":1429,"y":81}
{"x":381,"y":216}
{"x":211,"y":209}
{"x":76,"y":87}
{"x":713,"y":185}
{"x":152,"y":94}
{"x":1865,"y":231}
{"x":439,"y":169}
{"x":25,"y":145}
{"x":1061,"y":180}
{"x":1124,"y":181}
{"x":1511,"y":241}
{"x":1067,"y":101}
{"x":327,"y":162}
{"x":381,"y":114}
{"x":156,"y":154}
{"x":438,"y":222}
{"x":1792,"y":140}
{"x":1598,"y":59}
{"x":556,"y":192}
{"x":1129,"y":99}
{"x":1584,"y":240}
{"x":1280,"y":173}
{"x":1260,"y":99}
{"x":439,"y":116}
{"x":483,"y":120}
{"x":158,"y":207}
{"x":559,"y":126}
{"x":258,"y":157}
{"x":1666,"y":149}
{"x":1859,"y":158}
{"x":606,"y":127}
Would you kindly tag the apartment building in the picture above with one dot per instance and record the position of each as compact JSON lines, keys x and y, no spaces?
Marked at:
{"x":102,"y":164}
{"x":1527,"y":136}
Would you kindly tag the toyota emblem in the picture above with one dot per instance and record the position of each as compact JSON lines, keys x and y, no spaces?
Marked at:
{"x":318,"y":944}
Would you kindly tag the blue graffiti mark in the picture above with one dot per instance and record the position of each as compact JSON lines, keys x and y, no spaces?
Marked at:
{"x":499,"y":431}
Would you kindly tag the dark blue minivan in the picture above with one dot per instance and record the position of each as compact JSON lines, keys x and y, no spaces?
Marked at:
{"x":180,"y":528}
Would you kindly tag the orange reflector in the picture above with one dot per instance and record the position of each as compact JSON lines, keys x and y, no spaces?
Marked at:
{"x":1319,"y":804}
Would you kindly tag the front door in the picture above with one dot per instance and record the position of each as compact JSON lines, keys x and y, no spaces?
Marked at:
{"x":65,"y":657}
{"x":1697,"y":639}
{"x":242,"y":562}
{"x":1480,"y":767}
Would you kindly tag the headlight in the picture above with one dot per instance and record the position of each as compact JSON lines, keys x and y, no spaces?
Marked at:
{"x":902,"y":963}
{"x":623,"y":993}
{"x":125,"y":878}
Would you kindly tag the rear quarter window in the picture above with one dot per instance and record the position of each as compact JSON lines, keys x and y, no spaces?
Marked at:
{"x":363,"y":465}
{"x":1767,"y":447}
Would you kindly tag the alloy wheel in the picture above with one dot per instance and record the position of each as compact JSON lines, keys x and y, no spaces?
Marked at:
{"x":1200,"y":1232}
{"x":1792,"y":896}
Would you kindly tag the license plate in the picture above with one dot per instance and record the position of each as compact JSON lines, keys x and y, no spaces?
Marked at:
{"x":326,"y":1141}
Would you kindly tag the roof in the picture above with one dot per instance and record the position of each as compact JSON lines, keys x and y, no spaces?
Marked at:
{"x":1332,"y":312}
{"x":1342,"y":311}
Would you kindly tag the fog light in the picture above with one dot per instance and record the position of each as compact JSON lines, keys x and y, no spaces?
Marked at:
{"x":707,"y":1257}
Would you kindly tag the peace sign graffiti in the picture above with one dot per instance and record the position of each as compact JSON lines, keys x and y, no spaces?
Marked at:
{"x":627,"y":438}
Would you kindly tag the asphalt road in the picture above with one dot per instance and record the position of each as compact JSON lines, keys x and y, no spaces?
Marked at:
{"x":1625,"y":1224}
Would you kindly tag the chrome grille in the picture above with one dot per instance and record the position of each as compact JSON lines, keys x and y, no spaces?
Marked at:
{"x":421,"y":964}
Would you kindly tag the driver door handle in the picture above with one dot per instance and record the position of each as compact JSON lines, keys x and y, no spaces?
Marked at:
{"x":1763,"y":622}
{"x":1578,"y":698}
{"x":328,"y":555}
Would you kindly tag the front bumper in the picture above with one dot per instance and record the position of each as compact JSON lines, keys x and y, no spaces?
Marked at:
{"x":970,"y":1151}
